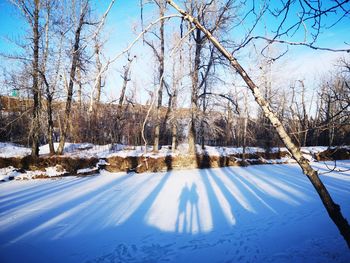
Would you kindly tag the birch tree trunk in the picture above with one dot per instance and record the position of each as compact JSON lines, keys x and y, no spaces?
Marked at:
{"x":332,"y":208}
{"x":98,"y":69}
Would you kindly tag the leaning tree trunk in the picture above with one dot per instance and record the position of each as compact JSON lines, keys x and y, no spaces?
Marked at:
{"x":332,"y":208}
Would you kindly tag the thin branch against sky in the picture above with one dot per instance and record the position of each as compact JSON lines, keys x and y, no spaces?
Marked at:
{"x":122,"y":26}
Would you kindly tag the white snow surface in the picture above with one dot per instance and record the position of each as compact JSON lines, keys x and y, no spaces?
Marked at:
{"x":83,"y":150}
{"x":87,"y":170}
{"x":10,"y":172}
{"x":88,"y":150}
{"x":8,"y":150}
{"x":261,"y":213}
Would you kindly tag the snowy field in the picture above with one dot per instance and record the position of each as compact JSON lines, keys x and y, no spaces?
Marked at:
{"x":88,"y":150}
{"x":262,"y":213}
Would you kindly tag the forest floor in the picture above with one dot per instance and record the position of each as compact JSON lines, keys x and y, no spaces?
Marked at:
{"x":261,"y":213}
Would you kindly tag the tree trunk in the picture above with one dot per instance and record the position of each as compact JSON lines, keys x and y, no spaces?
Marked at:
{"x":99,"y":77}
{"x":80,"y":90}
{"x":173,"y":106}
{"x":49,"y":94}
{"x":50,"y":125}
{"x":161,"y":77}
{"x":245,"y":122}
{"x":245,"y":126}
{"x":49,"y":116}
{"x":332,"y":208}
{"x":173,"y":136}
{"x":204,"y":109}
{"x":117,"y":125}
{"x":194,"y":96}
{"x":71,"y":82}
{"x":35,"y":89}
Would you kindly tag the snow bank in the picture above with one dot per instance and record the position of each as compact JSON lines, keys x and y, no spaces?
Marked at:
{"x":139,"y":151}
{"x":8,"y":150}
{"x":11,"y":173}
{"x":88,"y":150}
{"x":87,"y":170}
{"x":7,"y":173}
{"x":84,"y":150}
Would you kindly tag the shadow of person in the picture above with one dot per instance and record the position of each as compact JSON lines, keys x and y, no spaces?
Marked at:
{"x":194,"y":215}
{"x":181,"y":219}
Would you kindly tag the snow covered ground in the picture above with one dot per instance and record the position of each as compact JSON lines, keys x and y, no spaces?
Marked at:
{"x":262,"y":213}
{"x":11,"y":173}
{"x":87,"y":150}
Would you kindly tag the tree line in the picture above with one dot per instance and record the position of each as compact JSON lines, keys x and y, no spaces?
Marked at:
{"x":67,"y":49}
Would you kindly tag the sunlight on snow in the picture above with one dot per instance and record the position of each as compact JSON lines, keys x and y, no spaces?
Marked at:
{"x":184,"y":202}
{"x":269,"y":189}
{"x":182,"y":206}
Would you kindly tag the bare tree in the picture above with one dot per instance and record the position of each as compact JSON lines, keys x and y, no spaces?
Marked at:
{"x":332,"y":208}
{"x":159,"y":53}
{"x":31,"y":11}
{"x":36,"y":92}
{"x":119,"y":115}
{"x":334,"y":110}
{"x":201,"y":67}
{"x":52,"y":55}
{"x":74,"y":64}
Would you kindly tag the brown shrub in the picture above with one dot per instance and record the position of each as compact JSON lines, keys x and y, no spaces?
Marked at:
{"x":333,"y":154}
{"x":70,"y":164}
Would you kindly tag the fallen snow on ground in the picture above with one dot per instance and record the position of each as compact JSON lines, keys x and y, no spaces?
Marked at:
{"x":138,"y":151}
{"x":55,"y":171}
{"x":262,"y":213}
{"x":11,"y":173}
{"x":84,"y":150}
{"x":87,"y":170}
{"x":7,"y":173}
{"x":88,"y":150}
{"x":8,"y":150}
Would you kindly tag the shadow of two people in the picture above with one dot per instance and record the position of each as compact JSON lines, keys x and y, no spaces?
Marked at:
{"x":188,"y":220}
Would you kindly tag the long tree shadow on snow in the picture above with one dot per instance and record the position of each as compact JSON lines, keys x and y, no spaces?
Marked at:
{"x":54,"y":207}
{"x":332,"y":179}
{"x":27,"y":196}
{"x":221,"y":195}
{"x":175,"y":203}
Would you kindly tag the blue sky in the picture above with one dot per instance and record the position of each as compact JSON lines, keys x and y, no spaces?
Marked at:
{"x":125,"y":14}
